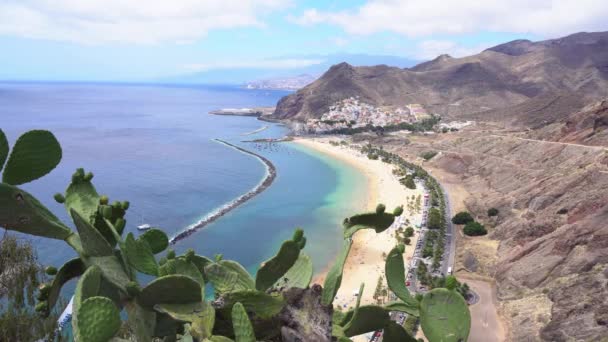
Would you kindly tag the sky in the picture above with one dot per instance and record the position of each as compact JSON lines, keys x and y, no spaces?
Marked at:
{"x":135,"y":40}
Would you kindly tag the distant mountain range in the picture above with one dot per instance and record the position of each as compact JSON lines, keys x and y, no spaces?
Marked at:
{"x":575,"y":68}
{"x":285,"y":83}
{"x":259,"y":75}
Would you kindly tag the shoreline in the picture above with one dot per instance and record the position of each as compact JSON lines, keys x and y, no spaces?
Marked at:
{"x":365,"y":263}
{"x":270,"y":176}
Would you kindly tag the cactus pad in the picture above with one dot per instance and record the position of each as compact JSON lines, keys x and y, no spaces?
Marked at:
{"x":3,"y":148}
{"x":93,"y":243}
{"x":35,"y":154}
{"x":299,"y":275}
{"x":112,"y":269}
{"x":69,"y":270}
{"x":98,"y":320}
{"x":393,"y":332}
{"x":444,"y":316}
{"x":243,"y":331}
{"x":262,"y":304}
{"x":377,"y":221}
{"x":156,"y":239}
{"x":244,"y":279}
{"x":170,"y":289}
{"x":368,"y":318}
{"x":183,"y":267}
{"x":273,"y":269}
{"x":223,"y":279}
{"x":140,"y":256}
{"x":200,"y":314}
{"x":334,"y":276}
{"x":395,"y":278}
{"x":21,"y":212}
{"x":81,"y":196}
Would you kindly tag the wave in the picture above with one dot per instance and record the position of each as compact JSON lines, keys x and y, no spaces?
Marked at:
{"x":271,"y":174}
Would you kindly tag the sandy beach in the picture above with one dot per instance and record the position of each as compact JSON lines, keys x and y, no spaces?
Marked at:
{"x":365,"y":263}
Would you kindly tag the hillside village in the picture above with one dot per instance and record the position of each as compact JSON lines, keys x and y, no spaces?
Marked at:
{"x":353,"y":113}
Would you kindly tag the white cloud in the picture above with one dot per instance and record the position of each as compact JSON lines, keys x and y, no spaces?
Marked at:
{"x":429,"y":49}
{"x":129,"y":21}
{"x":286,"y":63}
{"x":417,"y":18}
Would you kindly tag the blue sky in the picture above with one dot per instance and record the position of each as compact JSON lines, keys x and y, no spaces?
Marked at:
{"x":131,"y":40}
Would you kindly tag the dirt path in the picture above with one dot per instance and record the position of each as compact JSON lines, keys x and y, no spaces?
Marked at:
{"x":486,"y":325}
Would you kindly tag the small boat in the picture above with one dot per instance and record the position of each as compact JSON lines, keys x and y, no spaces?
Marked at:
{"x":144,"y":226}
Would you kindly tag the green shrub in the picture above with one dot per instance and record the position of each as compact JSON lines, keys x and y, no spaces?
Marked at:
{"x":474,"y":229}
{"x":462,"y":217}
{"x":492,"y":212}
{"x":428,"y":155}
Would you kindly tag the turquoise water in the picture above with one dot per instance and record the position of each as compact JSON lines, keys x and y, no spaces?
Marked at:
{"x":152,"y":145}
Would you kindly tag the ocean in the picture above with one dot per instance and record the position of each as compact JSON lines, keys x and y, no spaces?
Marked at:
{"x":153,"y":146}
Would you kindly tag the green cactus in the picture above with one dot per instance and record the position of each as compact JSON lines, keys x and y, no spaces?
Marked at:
{"x":21,"y":212}
{"x":141,"y":321}
{"x":243,"y":330}
{"x":398,"y":211}
{"x":395,"y":278}
{"x":35,"y":154}
{"x":50,"y":270}
{"x":394,"y":332}
{"x":333,"y":280}
{"x":368,"y":318}
{"x":299,"y":275}
{"x":156,"y":239}
{"x":274,"y":268}
{"x":262,"y":304}
{"x":140,"y":256}
{"x":68,"y":271}
{"x":112,"y":268}
{"x":201,"y":314}
{"x":445,"y":316}
{"x":81,"y":196}
{"x":380,"y":208}
{"x":223,"y":279}
{"x":3,"y":149}
{"x":98,"y":320}
{"x":87,"y":286}
{"x":93,"y":243}
{"x":182,"y":266}
{"x":379,"y":221}
{"x":170,"y":289}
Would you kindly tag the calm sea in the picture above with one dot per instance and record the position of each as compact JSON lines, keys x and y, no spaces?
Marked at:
{"x":152,"y":145}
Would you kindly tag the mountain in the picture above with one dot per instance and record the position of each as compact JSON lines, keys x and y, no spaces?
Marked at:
{"x":499,"y":77}
{"x":283,"y":83}
{"x":319,"y":64}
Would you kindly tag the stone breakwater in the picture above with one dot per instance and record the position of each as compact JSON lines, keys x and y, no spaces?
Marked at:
{"x":271,"y":174}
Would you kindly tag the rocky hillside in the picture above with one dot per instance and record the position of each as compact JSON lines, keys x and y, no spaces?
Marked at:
{"x":499,"y":77}
{"x":548,"y":248}
{"x":588,"y":126}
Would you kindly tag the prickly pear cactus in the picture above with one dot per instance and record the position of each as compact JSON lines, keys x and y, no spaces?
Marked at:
{"x":378,"y":220}
{"x":21,"y":212}
{"x":172,"y":289}
{"x":273,"y":269}
{"x":243,"y":330}
{"x":156,"y":239}
{"x":35,"y":154}
{"x":445,"y":316}
{"x":98,"y":319}
{"x":333,"y":280}
{"x":395,"y":278}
